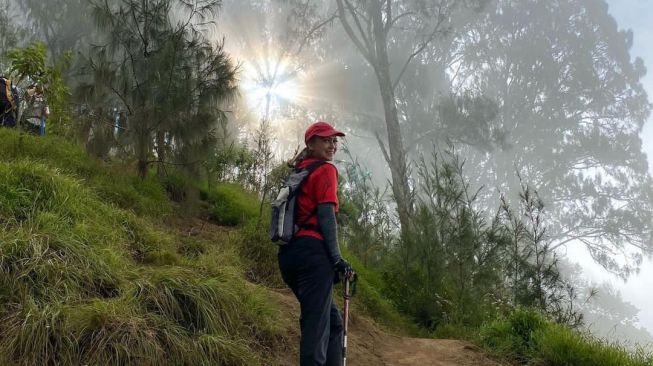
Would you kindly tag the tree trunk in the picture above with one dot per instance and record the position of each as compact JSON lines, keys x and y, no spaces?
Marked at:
{"x":397,"y":153}
{"x":161,"y":153}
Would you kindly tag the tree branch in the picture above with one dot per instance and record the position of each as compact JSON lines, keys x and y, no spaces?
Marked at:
{"x":315,"y":29}
{"x":363,"y":46}
{"x":382,"y":146}
{"x":419,"y":50}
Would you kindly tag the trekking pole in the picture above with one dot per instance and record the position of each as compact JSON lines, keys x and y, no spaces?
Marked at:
{"x":346,"y":296}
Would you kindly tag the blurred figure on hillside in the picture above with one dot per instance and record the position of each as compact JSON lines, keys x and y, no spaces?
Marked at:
{"x":9,"y":102}
{"x":36,"y":110}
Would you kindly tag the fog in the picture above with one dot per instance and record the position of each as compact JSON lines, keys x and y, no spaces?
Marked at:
{"x":551,"y":95}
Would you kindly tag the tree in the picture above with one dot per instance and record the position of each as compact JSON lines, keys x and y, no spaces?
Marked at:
{"x":571,"y":101}
{"x":62,"y":24}
{"x":532,"y":271}
{"x":368,"y":24}
{"x":158,"y":65}
{"x":11,"y":35}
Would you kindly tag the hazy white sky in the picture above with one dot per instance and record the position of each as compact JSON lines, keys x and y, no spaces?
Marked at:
{"x":636,"y":15}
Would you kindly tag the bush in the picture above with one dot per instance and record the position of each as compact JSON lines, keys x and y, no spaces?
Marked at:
{"x":560,"y":345}
{"x":259,"y":255}
{"x":372,"y":302}
{"x":526,"y":336}
{"x":513,"y":337}
{"x":232,"y":205}
{"x":176,"y":185}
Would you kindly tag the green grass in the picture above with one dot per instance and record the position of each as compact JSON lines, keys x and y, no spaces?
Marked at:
{"x":115,"y":184}
{"x":231,"y":205}
{"x":87,"y":278}
{"x":525,"y":337}
{"x":259,"y":254}
{"x":372,"y":303}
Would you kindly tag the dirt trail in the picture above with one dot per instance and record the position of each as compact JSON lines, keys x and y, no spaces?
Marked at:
{"x":370,"y":346}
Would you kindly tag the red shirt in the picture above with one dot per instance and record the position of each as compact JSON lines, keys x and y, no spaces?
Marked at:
{"x":321,"y":186}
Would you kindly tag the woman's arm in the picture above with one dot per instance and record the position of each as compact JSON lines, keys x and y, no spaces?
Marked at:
{"x":326,"y":218}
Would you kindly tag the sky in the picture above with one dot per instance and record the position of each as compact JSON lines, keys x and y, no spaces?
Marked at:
{"x":636,"y":15}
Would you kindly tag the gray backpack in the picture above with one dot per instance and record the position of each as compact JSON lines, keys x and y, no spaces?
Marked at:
{"x":282,"y":223}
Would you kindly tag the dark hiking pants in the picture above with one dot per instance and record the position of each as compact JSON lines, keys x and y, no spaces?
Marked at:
{"x":305,"y":268}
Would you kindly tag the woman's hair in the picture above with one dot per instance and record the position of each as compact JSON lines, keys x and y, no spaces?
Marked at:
{"x":299,"y":157}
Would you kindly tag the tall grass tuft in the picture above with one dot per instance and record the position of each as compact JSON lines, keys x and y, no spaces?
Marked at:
{"x":231,"y":205}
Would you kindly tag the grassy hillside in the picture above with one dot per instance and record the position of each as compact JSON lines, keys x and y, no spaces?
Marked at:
{"x":90,"y":275}
{"x":99,"y":267}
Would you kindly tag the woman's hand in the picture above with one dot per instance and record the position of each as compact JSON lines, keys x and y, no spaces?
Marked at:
{"x":344,"y":268}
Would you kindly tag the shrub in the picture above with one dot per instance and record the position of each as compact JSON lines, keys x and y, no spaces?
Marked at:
{"x":560,"y":345}
{"x":513,"y":337}
{"x":176,"y":185}
{"x":232,"y":205}
{"x":526,"y":336}
{"x":370,"y":299}
{"x":259,"y":255}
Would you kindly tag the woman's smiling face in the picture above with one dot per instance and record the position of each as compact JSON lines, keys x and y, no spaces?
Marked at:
{"x":323,"y":148}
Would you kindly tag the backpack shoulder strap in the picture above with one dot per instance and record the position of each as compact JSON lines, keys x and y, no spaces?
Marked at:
{"x":312,"y":166}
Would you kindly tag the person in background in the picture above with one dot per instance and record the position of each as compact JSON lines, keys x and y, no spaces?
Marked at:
{"x":311,"y":261}
{"x":9,"y":102}
{"x":36,"y":110}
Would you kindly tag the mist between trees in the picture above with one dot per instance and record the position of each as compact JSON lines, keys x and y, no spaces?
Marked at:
{"x":506,"y":130}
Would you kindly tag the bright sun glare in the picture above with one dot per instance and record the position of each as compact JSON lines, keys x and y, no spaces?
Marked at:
{"x":268,"y":86}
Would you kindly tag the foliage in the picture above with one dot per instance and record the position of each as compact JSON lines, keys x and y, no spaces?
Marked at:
{"x":170,"y":106}
{"x":370,"y":299}
{"x":525,"y":336}
{"x":51,"y":22}
{"x":259,"y":254}
{"x":532,"y":271}
{"x":232,"y":164}
{"x":453,"y":266}
{"x":365,"y":214}
{"x":588,"y":160}
{"x":12,"y":34}
{"x":232,"y":205}
{"x":450,"y":267}
{"x":514,"y":336}
{"x":30,"y":63}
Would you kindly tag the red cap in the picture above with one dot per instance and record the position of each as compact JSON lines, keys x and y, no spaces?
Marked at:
{"x":321,"y":129}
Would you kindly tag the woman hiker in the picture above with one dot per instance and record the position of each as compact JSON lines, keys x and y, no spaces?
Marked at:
{"x":311,"y":261}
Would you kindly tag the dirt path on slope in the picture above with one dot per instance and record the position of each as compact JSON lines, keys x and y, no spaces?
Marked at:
{"x":368,"y":345}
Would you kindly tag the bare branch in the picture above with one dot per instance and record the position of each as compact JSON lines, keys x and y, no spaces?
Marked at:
{"x":363,"y":45}
{"x":429,"y":39}
{"x":382,"y":146}
{"x":392,"y":22}
{"x":315,"y":29}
